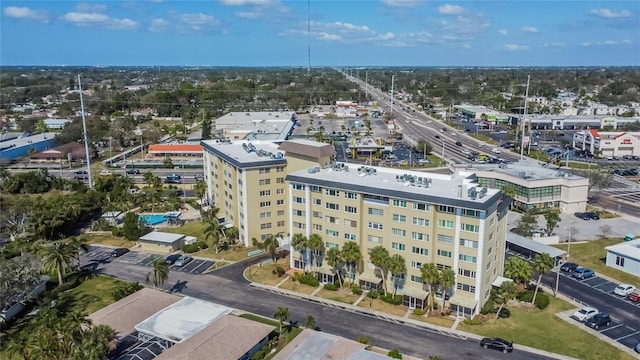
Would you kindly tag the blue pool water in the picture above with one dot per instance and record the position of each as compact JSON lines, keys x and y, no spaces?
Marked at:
{"x":151,"y":219}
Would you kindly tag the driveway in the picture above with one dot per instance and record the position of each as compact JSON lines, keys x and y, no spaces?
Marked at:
{"x":98,"y":253}
{"x":222,"y":290}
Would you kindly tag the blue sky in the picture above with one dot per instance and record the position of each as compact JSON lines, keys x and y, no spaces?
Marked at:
{"x":364,"y":32}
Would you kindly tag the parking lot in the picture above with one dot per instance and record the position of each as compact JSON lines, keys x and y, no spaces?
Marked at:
{"x":617,"y":331}
{"x":196,"y":266}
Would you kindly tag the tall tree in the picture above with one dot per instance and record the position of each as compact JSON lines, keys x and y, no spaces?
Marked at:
{"x":160,"y":272}
{"x":310,"y":322}
{"x":525,"y":224}
{"x":299,"y":244}
{"x":552,"y":217}
{"x":446,"y":281}
{"x":517,"y":269}
{"x":79,"y":243}
{"x":380,"y":258}
{"x":397,"y":266}
{"x":352,"y":256}
{"x":430,"y":276}
{"x":212,"y":232}
{"x":18,"y":276}
{"x":542,"y":264}
{"x":334,"y":259}
{"x":270,"y":245}
{"x":200,"y":188}
{"x":507,"y":291}
{"x":315,"y":244}
{"x":56,"y":257}
{"x":282,"y":315}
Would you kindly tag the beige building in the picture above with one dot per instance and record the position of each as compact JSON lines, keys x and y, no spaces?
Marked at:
{"x":534,"y":185}
{"x":608,"y":144}
{"x":426,"y":218}
{"x":246,"y":181}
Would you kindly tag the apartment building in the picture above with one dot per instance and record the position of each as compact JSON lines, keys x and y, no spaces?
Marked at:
{"x":246,"y":182}
{"x":447,"y":220}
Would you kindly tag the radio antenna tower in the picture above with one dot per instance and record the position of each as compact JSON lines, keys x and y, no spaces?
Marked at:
{"x":308,"y":37}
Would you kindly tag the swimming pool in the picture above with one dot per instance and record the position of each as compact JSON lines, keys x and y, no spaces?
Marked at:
{"x":151,"y":219}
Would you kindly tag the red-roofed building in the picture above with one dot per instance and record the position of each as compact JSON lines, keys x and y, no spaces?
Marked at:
{"x":175,"y":150}
{"x":608,"y":144}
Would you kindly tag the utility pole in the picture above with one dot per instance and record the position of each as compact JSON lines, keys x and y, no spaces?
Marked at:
{"x":86,"y":135}
{"x":442,"y":161}
{"x":366,"y":84}
{"x":526,"y":97}
{"x":391,"y":100}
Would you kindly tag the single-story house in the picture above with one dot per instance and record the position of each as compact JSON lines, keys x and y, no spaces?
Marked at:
{"x":63,"y":153}
{"x":163,"y":242}
{"x":13,"y":310}
{"x":625,"y":256}
{"x":175,"y":150}
{"x":56,"y":124}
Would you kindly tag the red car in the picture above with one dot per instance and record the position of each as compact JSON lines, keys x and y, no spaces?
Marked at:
{"x":634,"y":297}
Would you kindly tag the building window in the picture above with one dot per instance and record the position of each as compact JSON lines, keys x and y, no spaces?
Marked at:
{"x":399,"y":218}
{"x":280,"y":223}
{"x":332,"y":233}
{"x":298,"y":200}
{"x":298,"y":212}
{"x":298,"y":187}
{"x":442,"y":267}
{"x":317,"y":201}
{"x":471,"y":213}
{"x":351,"y":195}
{"x":330,"y":245}
{"x":375,"y":239}
{"x":421,"y":206}
{"x":265,"y":181}
{"x":444,"y":253}
{"x":489,"y":265}
{"x":467,"y":273}
{"x":374,"y":211}
{"x":375,"y":225}
{"x":332,"y":219}
{"x":297,"y":225}
{"x":419,"y":251}
{"x":398,"y":232}
{"x":265,"y":215}
{"x":467,"y":258}
{"x":317,"y":227}
{"x":265,"y":204}
{"x":351,"y":223}
{"x":332,"y":206}
{"x":316,"y":189}
{"x":445,"y":238}
{"x":265,"y":226}
{"x":446,"y":209}
{"x":280,"y":202}
{"x":467,"y":288}
{"x":280,"y":212}
{"x":280,"y":180}
{"x":420,"y":221}
{"x":620,"y":261}
{"x":491,"y":222}
{"x":317,"y":214}
{"x":351,"y":237}
{"x":264,"y":170}
{"x":399,"y":203}
{"x":470,"y":228}
{"x":416,"y":279}
{"x":490,"y":250}
{"x":280,"y":169}
{"x":332,"y":192}
{"x":470,"y":244}
{"x":416,"y":264}
{"x":419,"y":236}
{"x":351,"y":209}
{"x":265,"y":192}
{"x":445,"y":224}
{"x":398,"y":246}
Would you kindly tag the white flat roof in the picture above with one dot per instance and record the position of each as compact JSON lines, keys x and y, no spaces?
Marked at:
{"x":629,"y":249}
{"x":162,"y":237}
{"x":238,"y":153}
{"x":181,"y":320}
{"x":242,"y":119}
{"x":525,"y":169}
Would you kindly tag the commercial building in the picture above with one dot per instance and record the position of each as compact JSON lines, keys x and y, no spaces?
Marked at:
{"x":246,"y":181}
{"x":447,"y":220}
{"x":561,"y":122}
{"x":162,"y":242}
{"x":62,"y":154}
{"x":25,"y":145}
{"x":257,"y":125}
{"x":477,"y":112}
{"x":532,"y":184}
{"x":625,"y":256}
{"x":175,"y":151}
{"x":56,"y":124}
{"x":607,"y":144}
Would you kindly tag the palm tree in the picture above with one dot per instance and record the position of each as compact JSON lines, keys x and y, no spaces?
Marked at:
{"x":352,"y":256}
{"x":200,"y":188}
{"x":299,"y":244}
{"x":334,"y":259}
{"x":447,"y":279}
{"x":380,"y":258}
{"x":21,"y":346}
{"x":430,"y":276}
{"x":148,"y":178}
{"x":507,"y":291}
{"x":210,"y":214}
{"x":270,"y":245}
{"x":79,"y":243}
{"x":212,"y":231}
{"x":160,"y":272}
{"x":315,"y":244}
{"x":397,"y":266}
{"x":552,"y":218}
{"x":542,"y":264}
{"x":56,"y":257}
{"x":517,"y":269}
{"x":310,"y":322}
{"x":282,"y":315}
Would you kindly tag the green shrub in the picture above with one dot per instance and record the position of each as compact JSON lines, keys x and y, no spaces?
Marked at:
{"x":393,"y":300}
{"x":525,"y":296}
{"x":116,"y":231}
{"x":124,"y":289}
{"x":394,"y":354}
{"x":542,"y":301}
{"x":279,"y":270}
{"x":418,"y":312}
{"x":475,"y":321}
{"x":372,"y":294}
{"x":331,"y":287}
{"x":504,"y":313}
{"x":488,"y":308}
{"x":356,"y":290}
{"x":308,"y":279}
{"x":190,"y":248}
{"x":202,"y":245}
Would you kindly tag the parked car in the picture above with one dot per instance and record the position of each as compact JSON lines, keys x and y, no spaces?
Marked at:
{"x":598,"y":320}
{"x":637,"y":348}
{"x":634,"y":297}
{"x":584,"y":314}
{"x":199,"y":177}
{"x":118,"y":252}
{"x":583,"y":273}
{"x":171,"y":259}
{"x":624,"y":289}
{"x":497,"y":344}
{"x":105,"y":172}
{"x":133,"y":171}
{"x":444,"y":129}
{"x":569,"y":267}
{"x":583,"y":215}
{"x":183,"y":260}
{"x":81,"y":175}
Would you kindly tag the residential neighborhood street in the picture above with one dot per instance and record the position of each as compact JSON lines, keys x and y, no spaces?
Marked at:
{"x":228,"y":287}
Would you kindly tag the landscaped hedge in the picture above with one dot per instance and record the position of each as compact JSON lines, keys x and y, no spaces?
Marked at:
{"x":331,"y":287}
{"x":279,"y":270}
{"x":488,"y":308}
{"x":390,"y":299}
{"x":190,"y":248}
{"x":356,"y":289}
{"x":307,"y":279}
{"x":542,"y":299}
{"x":418,"y":312}
{"x":372,"y":294}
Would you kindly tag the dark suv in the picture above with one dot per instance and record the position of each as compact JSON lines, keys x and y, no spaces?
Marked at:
{"x":592,"y":215}
{"x":119,"y":252}
{"x":598,"y":320}
{"x":497,"y":344}
{"x":81,"y":175}
{"x":569,"y":267}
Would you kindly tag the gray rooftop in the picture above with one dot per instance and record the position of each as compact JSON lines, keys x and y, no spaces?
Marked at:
{"x":162,"y":237}
{"x":533,"y":245}
{"x":28,"y":140}
{"x":246,"y":154}
{"x":525,"y":169}
{"x":242,"y":119}
{"x":453,"y":190}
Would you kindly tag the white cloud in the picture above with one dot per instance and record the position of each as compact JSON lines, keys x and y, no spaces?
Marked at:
{"x":159,"y":25}
{"x":449,"y":9}
{"x":464,"y":27}
{"x":96,"y":19}
{"x":198,"y":19}
{"x":341,"y":32}
{"x":516,"y":47}
{"x":257,"y":9}
{"x":26,"y":13}
{"x":88,"y":7}
{"x":530,"y":29}
{"x":246,"y":2}
{"x":122,"y":24}
{"x":608,"y":14}
{"x":608,"y":42}
{"x":401,"y":3}
{"x":553,"y":44}
{"x":503,"y":32}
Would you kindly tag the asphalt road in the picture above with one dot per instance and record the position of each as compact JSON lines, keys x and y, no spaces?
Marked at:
{"x":227,"y":287}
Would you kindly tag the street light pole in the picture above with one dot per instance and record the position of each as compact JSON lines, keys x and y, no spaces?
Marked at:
{"x":391,"y":99}
{"x":442,"y":161}
{"x":526,"y":98}
{"x":366,"y":84}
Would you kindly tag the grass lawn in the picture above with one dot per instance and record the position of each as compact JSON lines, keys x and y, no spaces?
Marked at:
{"x":592,"y":254}
{"x":343,"y":295}
{"x":543,"y":330}
{"x":264,"y":275}
{"x":292,"y":285}
{"x":435,"y":320}
{"x":94,"y":294}
{"x":287,"y":332}
{"x":582,"y":165}
{"x":379,"y":305}
{"x":108,"y":239}
{"x":484,"y":138}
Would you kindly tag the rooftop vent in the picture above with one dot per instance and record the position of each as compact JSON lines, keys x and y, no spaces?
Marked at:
{"x":482,"y":193}
{"x":313,"y":170}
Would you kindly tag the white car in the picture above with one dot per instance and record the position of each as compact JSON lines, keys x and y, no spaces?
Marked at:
{"x":105,"y":172}
{"x":480,"y":144}
{"x":503,"y":132}
{"x":624,"y":289}
{"x":466,"y":152}
{"x":584,"y":314}
{"x":496,"y":150}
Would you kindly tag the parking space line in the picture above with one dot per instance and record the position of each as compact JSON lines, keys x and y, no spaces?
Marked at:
{"x":626,"y":336}
{"x":611,"y":328}
{"x":197,"y":267}
{"x":604,"y":283}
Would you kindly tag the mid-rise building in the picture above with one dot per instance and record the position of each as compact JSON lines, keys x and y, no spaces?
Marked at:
{"x":607,"y":144}
{"x":246,"y":182}
{"x":447,"y":220}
